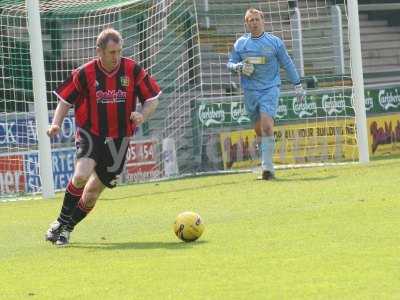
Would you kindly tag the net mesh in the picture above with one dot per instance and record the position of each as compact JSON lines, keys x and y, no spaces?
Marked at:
{"x":185,"y":45}
{"x":160,"y":35}
{"x":322,"y":129}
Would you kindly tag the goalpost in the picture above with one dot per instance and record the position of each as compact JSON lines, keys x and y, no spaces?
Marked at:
{"x":185,"y":45}
{"x":357,"y":74}
{"x":40,"y":99}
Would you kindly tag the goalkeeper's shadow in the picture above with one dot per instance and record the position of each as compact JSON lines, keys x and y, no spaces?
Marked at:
{"x":136,"y":245}
{"x":314,"y":178}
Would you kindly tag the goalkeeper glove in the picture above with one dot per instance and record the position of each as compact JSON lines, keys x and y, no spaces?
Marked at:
{"x":300,"y":92}
{"x":244,"y":68}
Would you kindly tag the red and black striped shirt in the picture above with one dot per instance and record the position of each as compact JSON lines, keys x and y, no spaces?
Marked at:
{"x":104,"y":101}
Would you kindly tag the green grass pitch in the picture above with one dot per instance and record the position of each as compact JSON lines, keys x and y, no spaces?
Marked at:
{"x":315,"y":233}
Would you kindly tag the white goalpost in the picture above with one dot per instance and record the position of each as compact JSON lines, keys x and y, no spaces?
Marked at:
{"x":357,"y":75}
{"x":40,"y":97}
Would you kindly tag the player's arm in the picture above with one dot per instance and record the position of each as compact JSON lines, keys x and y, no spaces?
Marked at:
{"x":67,"y":93}
{"x":148,"y":108}
{"x":235,"y":61}
{"x":148,"y":92}
{"x":235,"y":64}
{"x":291,"y":71}
{"x":58,"y":118}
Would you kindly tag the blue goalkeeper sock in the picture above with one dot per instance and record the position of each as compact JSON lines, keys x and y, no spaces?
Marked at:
{"x":267,"y":150}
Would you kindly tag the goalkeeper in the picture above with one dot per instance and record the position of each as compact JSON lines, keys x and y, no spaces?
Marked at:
{"x":257,"y":57}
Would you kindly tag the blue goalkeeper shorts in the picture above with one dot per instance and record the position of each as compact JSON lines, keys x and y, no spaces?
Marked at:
{"x":257,"y":101}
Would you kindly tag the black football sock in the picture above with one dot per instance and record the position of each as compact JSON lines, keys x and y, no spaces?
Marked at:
{"x":71,"y":198}
{"x":78,"y":214}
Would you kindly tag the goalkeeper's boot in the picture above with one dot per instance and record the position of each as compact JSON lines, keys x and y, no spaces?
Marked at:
{"x":63,"y":239}
{"x":267,"y":175}
{"x":53,"y":232}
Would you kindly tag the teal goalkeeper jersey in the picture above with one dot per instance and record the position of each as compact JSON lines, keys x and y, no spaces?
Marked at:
{"x":267,"y":52}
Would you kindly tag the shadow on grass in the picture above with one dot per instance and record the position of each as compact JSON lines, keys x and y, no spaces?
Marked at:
{"x":185,"y":189}
{"x":318,"y":178}
{"x":136,"y":245}
{"x":194,"y":188}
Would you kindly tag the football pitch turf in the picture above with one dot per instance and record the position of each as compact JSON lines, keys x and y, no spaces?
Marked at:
{"x":314,"y":233}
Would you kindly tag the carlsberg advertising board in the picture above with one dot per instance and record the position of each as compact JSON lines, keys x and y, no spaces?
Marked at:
{"x":222,"y":112}
{"x":219,"y":114}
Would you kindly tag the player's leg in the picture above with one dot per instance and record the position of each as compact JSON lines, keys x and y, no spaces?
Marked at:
{"x":91,"y":193}
{"x":83,"y":168}
{"x":265,"y":129}
{"x":252,"y":106}
{"x":110,"y":162}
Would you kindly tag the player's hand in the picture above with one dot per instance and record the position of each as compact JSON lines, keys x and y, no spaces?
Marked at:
{"x":300,"y":92}
{"x":244,"y":68}
{"x":137,"y":118}
{"x":53,"y":130}
{"x":247,"y":69}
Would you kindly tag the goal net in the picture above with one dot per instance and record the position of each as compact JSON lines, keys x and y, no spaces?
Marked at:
{"x":319,"y":130}
{"x":160,"y":35}
{"x":200,"y":124}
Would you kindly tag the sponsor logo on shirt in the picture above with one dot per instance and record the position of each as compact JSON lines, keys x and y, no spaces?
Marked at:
{"x":256,"y":60}
{"x":110,"y":96}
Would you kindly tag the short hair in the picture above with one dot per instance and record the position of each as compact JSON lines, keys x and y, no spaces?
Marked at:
{"x":252,"y":11}
{"x":108,"y":34}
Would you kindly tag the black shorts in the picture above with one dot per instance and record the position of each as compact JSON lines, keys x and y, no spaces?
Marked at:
{"x":109,"y":155}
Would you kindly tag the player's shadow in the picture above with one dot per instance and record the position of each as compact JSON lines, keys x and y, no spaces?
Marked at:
{"x":136,"y":245}
{"x":315,"y":178}
{"x":177,"y":190}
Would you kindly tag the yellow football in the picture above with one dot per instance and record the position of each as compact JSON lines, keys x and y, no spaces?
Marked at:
{"x":188,"y":226}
